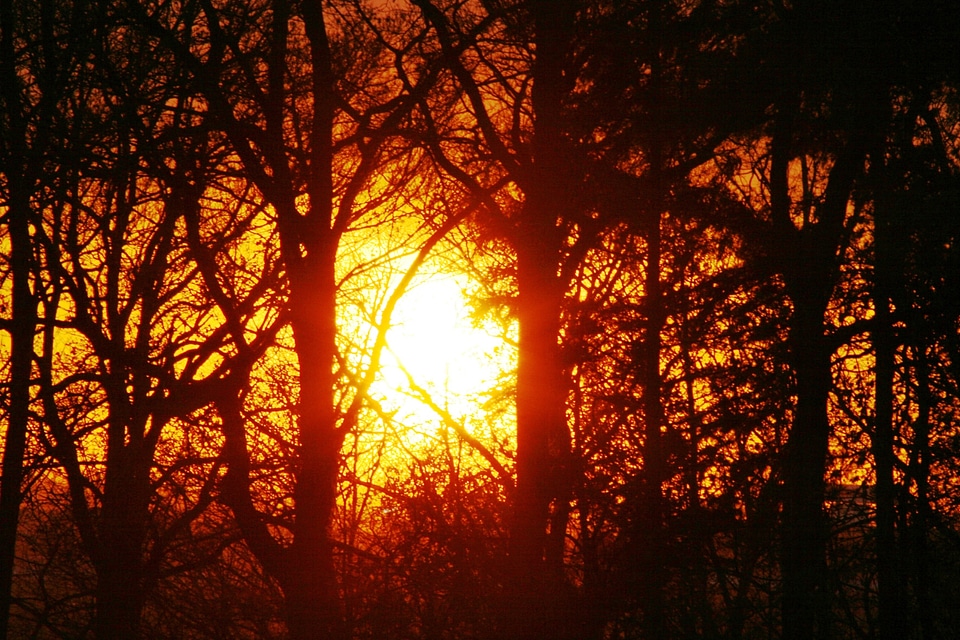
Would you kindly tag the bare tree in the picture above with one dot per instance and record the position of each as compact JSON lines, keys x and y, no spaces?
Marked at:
{"x":131,"y":346}
{"x":311,"y":102}
{"x":41,"y":48}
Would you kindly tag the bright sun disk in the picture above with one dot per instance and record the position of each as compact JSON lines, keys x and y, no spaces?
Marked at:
{"x":433,"y":338}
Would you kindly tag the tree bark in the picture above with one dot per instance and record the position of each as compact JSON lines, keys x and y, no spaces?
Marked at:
{"x":23,"y":324}
{"x":118,"y":554}
{"x":540,"y":419}
{"x":919,"y":529}
{"x":120,"y":590}
{"x":310,"y":583}
{"x":23,"y":318}
{"x":808,"y":258}
{"x":542,"y":435}
{"x":804,"y":532}
{"x":891,"y":623}
{"x":654,"y":545}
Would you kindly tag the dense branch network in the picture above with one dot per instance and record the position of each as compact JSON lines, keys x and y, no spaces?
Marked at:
{"x":718,"y":242}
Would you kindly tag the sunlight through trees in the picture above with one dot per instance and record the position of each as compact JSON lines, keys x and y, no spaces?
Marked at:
{"x":453,"y":319}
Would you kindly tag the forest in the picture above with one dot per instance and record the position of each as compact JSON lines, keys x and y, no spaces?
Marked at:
{"x":706,"y":260}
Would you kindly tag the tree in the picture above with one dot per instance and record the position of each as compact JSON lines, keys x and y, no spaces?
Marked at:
{"x":40,"y":50}
{"x":719,"y":236}
{"x":145,"y":349}
{"x":531,"y":154}
{"x":587,"y":138}
{"x":915,"y":163}
{"x":310,"y":102}
{"x":825,"y":140}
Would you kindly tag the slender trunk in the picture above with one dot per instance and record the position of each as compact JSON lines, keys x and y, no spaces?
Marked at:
{"x":595,"y":605}
{"x":890,"y":603}
{"x":119,"y":556}
{"x":313,"y":605}
{"x":699,"y":572}
{"x":804,"y":532}
{"x":23,"y":323}
{"x":920,"y":471}
{"x":542,"y":436}
{"x":24,"y":315}
{"x":653,"y":546}
{"x":653,"y":540}
{"x":540,"y":416}
{"x":308,"y":577}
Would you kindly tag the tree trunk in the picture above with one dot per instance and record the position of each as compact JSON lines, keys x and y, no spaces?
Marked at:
{"x":540,"y":420}
{"x":809,"y":256}
{"x":119,"y":593}
{"x":313,"y":605}
{"x":890,"y":604}
{"x":24,"y":313}
{"x":24,"y":320}
{"x":119,"y":553}
{"x":920,"y":472}
{"x":542,"y":436}
{"x":653,"y":545}
{"x":804,"y":532}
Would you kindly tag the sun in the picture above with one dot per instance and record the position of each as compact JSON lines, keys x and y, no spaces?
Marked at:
{"x":437,"y":354}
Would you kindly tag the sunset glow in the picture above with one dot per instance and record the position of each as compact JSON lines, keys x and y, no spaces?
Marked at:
{"x":436,"y":347}
{"x":479,"y":319}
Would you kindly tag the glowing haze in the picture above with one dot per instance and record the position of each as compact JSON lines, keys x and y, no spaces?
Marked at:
{"x":434,"y":342}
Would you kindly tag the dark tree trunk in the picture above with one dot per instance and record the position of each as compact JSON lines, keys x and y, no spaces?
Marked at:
{"x":24,"y":311}
{"x":308,"y":242}
{"x":309,"y":580}
{"x":540,"y":418}
{"x":119,"y":593}
{"x":651,"y":541}
{"x":920,"y":473}
{"x":24,"y":320}
{"x":890,"y":604}
{"x":118,"y":550}
{"x":313,"y":604}
{"x":119,"y":554}
{"x":808,"y":258}
{"x":542,"y":436}
{"x":804,"y":532}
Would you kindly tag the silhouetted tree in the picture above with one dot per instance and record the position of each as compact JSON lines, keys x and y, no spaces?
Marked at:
{"x":309,"y":99}
{"x":720,"y":238}
{"x":825,"y":140}
{"x":144,"y":346}
{"x":586,"y":113}
{"x":41,"y":51}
